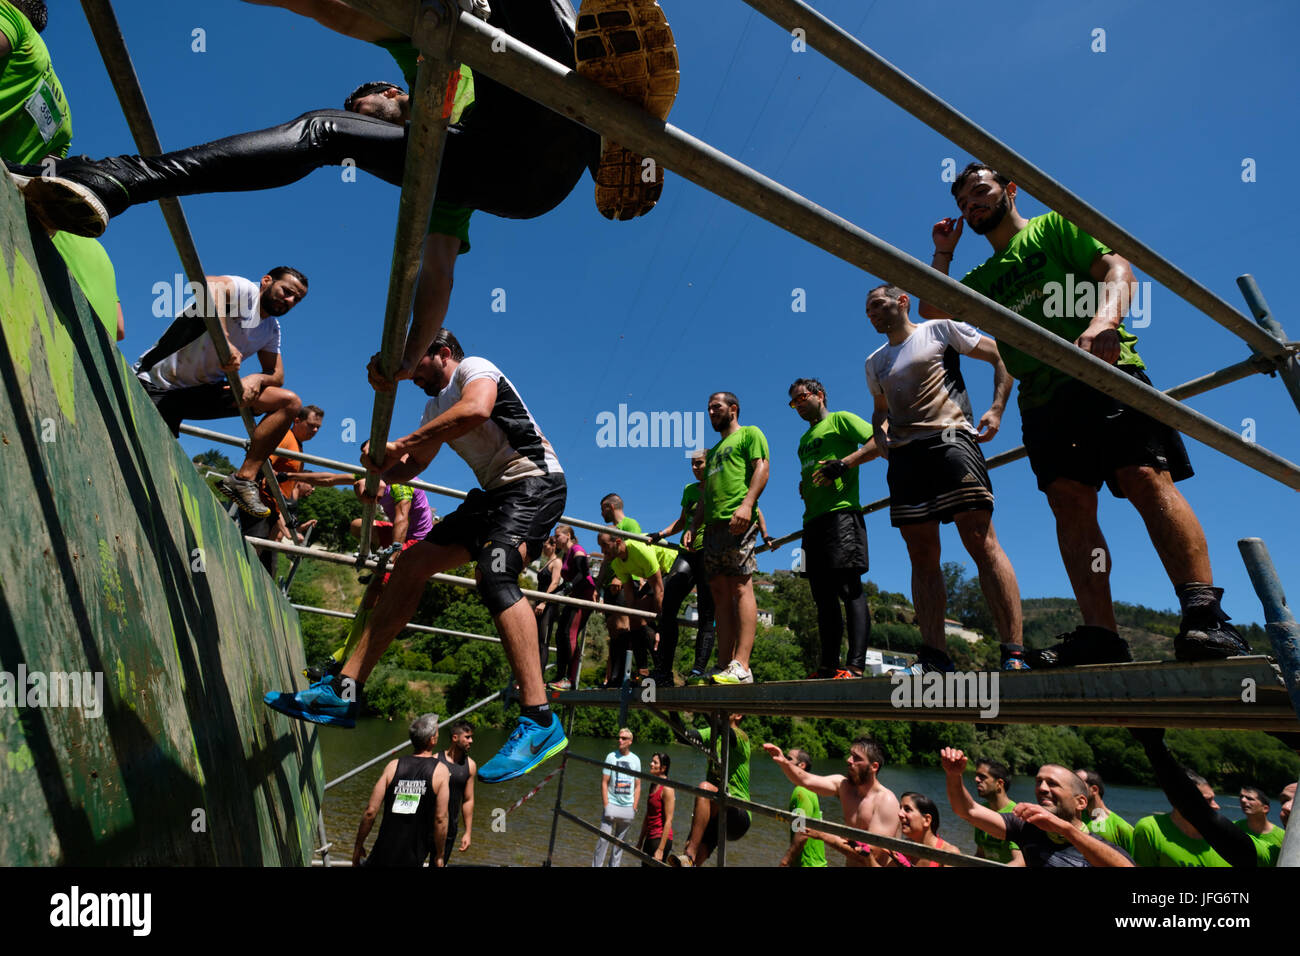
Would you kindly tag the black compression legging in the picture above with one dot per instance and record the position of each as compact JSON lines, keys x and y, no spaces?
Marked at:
{"x":568,"y":641}
{"x":545,"y":621}
{"x":510,"y":156}
{"x":677,"y":586}
{"x":829,"y":588}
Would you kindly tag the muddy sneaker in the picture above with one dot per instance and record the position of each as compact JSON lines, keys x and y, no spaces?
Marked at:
{"x":1204,"y":633}
{"x":70,"y":195}
{"x":559,"y":686}
{"x":245,"y":494}
{"x":1084,"y":645}
{"x":627,"y":47}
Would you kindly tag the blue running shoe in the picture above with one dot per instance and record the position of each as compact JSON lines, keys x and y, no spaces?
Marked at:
{"x":320,"y":703}
{"x":528,"y":746}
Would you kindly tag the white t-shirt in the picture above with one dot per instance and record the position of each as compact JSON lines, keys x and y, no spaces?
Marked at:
{"x":509,"y":445}
{"x":197,"y":363}
{"x":921,"y":380}
{"x":622,"y":787}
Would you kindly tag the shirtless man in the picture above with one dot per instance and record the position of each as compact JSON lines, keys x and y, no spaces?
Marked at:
{"x":866,"y":802}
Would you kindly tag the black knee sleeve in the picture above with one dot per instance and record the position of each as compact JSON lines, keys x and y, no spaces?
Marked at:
{"x":498,"y":577}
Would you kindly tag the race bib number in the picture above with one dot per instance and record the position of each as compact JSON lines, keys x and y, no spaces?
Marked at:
{"x":406,"y":802}
{"x":44,"y":111}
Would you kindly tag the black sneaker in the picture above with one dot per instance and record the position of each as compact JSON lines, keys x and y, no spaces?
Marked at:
{"x":1084,"y":645}
{"x":74,"y":196}
{"x":326,"y":668}
{"x":931,"y":660}
{"x":1207,"y":636}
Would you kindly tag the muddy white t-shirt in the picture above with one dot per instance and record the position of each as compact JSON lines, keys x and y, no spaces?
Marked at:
{"x":197,"y":363}
{"x":921,"y":380}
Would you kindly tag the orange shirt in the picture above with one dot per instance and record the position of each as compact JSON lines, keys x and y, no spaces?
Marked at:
{"x":279,"y":464}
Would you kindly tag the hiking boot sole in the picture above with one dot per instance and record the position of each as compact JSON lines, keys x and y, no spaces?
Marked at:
{"x":63,"y":205}
{"x":627,"y":47}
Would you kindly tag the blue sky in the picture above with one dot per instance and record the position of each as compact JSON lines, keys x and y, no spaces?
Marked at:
{"x":698,"y":295}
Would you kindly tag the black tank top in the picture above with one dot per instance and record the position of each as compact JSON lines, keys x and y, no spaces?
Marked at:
{"x":406,"y":833}
{"x":544,"y":578}
{"x":459,"y":773}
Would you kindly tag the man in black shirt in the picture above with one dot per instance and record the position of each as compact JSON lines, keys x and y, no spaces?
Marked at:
{"x":413,"y":791}
{"x":461,"y":771}
{"x":1050,"y":832}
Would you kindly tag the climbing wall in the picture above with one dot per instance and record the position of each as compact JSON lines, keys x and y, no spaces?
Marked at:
{"x":137,"y":631}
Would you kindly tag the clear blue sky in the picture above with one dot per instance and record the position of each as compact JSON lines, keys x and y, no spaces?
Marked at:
{"x":697,"y":296}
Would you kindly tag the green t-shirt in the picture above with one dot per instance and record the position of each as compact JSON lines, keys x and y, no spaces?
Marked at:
{"x":729,"y":468}
{"x":642,"y":562}
{"x":446,"y":219}
{"x":1272,"y":840}
{"x":995,"y":849}
{"x":1050,"y":249}
{"x":814,"y":851}
{"x":691,"y":498}
{"x":838,"y":435}
{"x":35,"y":120}
{"x":738,"y":780}
{"x":1157,"y":841}
{"x":89,"y":265}
{"x":1113,"y":829}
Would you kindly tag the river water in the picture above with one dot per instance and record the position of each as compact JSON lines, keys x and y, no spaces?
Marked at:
{"x":520,"y":837}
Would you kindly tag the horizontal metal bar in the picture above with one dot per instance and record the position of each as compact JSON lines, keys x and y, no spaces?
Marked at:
{"x":126,"y":84}
{"x":508,"y":61}
{"x":333,"y":558}
{"x":829,"y":826}
{"x":1205,"y":694}
{"x":861,"y":61}
{"x":388,"y":753}
{"x":357,"y":470}
{"x":421,"y":628}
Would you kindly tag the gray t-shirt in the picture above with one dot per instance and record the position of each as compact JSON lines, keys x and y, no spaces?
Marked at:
{"x":622,"y":786}
{"x":921,"y":380}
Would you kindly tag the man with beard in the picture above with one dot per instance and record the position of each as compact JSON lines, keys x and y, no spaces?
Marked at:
{"x":1078,"y":438}
{"x":1048,"y":833}
{"x":186,"y":381}
{"x":735,"y":475}
{"x":478,"y":412}
{"x":461,"y":772}
{"x":926,"y":429}
{"x":992,"y":781}
{"x":867,"y":804}
{"x":505,"y":154}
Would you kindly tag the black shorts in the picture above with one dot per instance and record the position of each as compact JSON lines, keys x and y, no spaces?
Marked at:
{"x":522,"y":511}
{"x":932,"y":479}
{"x":196,"y":403}
{"x":833,"y":541}
{"x":737,"y":826}
{"x":1085,"y":435}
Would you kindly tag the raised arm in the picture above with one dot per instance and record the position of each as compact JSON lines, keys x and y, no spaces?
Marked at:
{"x":963,"y":804}
{"x":337,"y":16}
{"x":945,"y":233}
{"x":822,"y":786}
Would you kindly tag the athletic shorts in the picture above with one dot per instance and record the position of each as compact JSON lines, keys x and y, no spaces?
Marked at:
{"x":727,"y":553}
{"x":522,"y":511}
{"x":737,"y":826}
{"x":385,"y":531}
{"x":197,"y":403}
{"x":836,"y":540}
{"x":932,"y":479}
{"x":1084,"y":435}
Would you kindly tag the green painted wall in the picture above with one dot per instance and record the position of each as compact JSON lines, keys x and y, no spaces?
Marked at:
{"x":116,"y":559}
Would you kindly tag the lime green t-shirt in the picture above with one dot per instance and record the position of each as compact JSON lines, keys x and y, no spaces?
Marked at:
{"x":838,"y":435}
{"x":1041,"y":275}
{"x":691,"y":498}
{"x":446,"y":219}
{"x":814,"y":851}
{"x":1272,"y":840}
{"x":88,"y":263}
{"x":1157,"y":841}
{"x":738,"y":779}
{"x":35,"y":120}
{"x":729,"y":468}
{"x":642,"y":562}
{"x":1113,"y":829}
{"x":995,"y":849}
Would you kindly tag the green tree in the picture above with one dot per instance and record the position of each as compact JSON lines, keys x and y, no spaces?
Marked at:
{"x":333,"y":510}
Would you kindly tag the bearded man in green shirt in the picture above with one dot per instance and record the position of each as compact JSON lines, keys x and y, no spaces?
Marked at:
{"x":1077,"y":437}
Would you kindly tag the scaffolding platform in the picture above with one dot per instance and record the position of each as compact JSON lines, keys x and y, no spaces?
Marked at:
{"x":1242,"y":693}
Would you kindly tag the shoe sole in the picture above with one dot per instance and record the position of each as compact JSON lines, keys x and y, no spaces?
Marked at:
{"x":239,"y":501}
{"x":564,"y":742}
{"x":63,"y":205}
{"x":627,"y":47}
